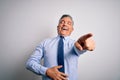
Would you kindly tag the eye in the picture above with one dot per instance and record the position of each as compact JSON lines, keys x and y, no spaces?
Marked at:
{"x":62,"y":22}
{"x":69,"y":23}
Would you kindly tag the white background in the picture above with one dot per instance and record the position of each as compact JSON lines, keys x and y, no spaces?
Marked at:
{"x":25,"y":23}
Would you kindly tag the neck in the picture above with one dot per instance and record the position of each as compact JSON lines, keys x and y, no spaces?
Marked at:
{"x":63,"y":35}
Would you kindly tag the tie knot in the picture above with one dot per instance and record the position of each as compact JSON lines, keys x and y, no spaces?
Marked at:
{"x":61,"y":37}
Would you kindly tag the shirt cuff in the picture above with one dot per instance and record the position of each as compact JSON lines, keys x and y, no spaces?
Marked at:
{"x":78,"y":52}
{"x":43,"y":70}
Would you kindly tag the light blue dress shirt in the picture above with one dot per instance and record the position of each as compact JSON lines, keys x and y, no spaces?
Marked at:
{"x":47,"y":50}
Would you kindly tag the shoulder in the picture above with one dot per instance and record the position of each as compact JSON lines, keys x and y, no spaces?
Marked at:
{"x":47,"y":41}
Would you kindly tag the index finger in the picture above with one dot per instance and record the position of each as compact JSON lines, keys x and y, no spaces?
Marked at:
{"x":63,"y":74}
{"x":86,"y":36}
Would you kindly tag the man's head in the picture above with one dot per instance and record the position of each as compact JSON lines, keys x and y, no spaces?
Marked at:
{"x":65,"y":25}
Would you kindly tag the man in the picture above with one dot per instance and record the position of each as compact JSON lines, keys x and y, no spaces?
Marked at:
{"x":49,"y":51}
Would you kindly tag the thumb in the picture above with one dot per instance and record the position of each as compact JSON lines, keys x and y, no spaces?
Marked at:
{"x":78,"y":46}
{"x":58,"y":67}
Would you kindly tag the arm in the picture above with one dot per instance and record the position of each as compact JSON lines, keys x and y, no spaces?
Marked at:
{"x":33,"y":62}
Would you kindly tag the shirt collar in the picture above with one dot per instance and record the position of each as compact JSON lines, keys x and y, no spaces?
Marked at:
{"x":66,"y":37}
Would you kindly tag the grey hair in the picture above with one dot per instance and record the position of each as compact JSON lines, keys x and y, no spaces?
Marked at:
{"x":66,"y":15}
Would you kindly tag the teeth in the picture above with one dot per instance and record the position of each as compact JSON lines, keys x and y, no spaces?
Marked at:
{"x":64,"y":28}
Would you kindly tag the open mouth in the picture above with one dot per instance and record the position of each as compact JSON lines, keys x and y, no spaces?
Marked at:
{"x":64,"y":28}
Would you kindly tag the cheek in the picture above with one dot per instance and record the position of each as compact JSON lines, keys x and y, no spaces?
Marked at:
{"x":59,"y":26}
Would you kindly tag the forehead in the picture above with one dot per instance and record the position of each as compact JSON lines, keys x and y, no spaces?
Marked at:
{"x":66,"y":19}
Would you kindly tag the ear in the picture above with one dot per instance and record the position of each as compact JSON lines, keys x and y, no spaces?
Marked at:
{"x":57,"y":27}
{"x":72,"y":29}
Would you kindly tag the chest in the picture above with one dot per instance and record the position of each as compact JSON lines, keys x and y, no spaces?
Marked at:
{"x":51,"y":48}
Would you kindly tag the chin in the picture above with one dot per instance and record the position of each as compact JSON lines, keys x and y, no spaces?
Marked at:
{"x":64,"y":35}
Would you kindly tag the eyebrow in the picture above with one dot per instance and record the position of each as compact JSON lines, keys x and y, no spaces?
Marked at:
{"x":64,"y":20}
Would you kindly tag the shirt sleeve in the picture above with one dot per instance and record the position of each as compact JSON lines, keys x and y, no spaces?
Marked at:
{"x":78,"y":52}
{"x":34,"y":62}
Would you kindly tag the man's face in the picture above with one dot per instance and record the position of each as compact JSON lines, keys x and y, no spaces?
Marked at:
{"x":65,"y":26}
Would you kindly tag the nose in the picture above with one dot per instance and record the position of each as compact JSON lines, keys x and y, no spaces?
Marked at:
{"x":65,"y":23}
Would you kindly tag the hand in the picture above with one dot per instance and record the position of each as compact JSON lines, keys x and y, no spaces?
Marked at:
{"x":85,"y":42}
{"x":55,"y":74}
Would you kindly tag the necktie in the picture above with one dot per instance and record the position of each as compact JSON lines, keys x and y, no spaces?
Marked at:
{"x":60,"y":56}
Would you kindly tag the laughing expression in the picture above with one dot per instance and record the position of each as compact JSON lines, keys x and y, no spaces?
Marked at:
{"x":65,"y":26}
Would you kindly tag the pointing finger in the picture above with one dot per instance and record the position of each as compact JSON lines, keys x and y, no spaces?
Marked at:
{"x":86,"y":36}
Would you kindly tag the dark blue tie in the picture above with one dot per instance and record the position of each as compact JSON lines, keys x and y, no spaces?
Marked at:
{"x":60,"y":56}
